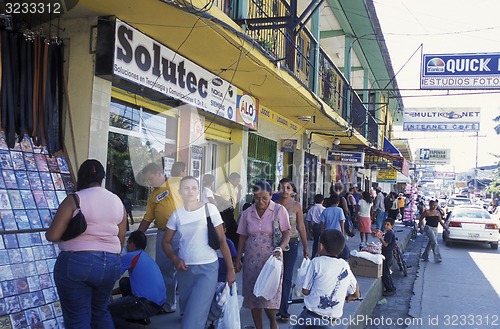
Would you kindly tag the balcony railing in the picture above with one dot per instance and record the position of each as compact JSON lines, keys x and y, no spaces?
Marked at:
{"x":295,"y":52}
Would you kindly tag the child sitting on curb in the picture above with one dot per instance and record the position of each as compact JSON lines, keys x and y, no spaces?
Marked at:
{"x":328,"y":283}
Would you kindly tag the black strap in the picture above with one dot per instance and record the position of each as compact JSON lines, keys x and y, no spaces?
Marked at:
{"x":209,"y":220}
{"x":76,"y":200}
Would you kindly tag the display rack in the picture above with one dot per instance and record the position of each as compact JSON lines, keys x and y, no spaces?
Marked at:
{"x":32,"y":185}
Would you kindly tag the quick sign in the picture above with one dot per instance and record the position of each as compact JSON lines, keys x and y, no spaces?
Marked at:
{"x":460,"y":71}
{"x":355,"y":159}
{"x":441,"y":119}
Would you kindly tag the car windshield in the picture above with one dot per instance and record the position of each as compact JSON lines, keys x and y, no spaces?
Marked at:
{"x":455,"y":202}
{"x":471,"y":213}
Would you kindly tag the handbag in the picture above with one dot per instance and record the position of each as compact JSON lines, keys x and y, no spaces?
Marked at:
{"x":77,"y":225}
{"x":213,"y":238}
{"x":277,"y":233}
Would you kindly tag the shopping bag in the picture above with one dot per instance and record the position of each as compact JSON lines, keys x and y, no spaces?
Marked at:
{"x":301,"y":275}
{"x":218,"y":302}
{"x":268,"y":280}
{"x":231,"y":315}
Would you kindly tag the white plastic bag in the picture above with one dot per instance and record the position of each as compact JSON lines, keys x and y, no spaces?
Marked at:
{"x":301,"y":275}
{"x":231,"y":315}
{"x":268,"y":280}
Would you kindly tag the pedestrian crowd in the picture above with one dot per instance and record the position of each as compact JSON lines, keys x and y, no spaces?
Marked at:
{"x":204,"y":238}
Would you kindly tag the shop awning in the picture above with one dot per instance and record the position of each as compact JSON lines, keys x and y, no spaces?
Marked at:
{"x":390,"y":148}
{"x":375,"y":153}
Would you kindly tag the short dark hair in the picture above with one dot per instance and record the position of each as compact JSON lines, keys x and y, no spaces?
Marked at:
{"x":390,"y":220}
{"x":185,"y":178}
{"x":208,"y":179}
{"x":333,"y":241}
{"x":91,"y":171}
{"x":318,"y":198}
{"x":139,"y":239}
{"x":367,"y":197}
{"x":334,"y":198}
{"x":177,"y":168}
{"x":152,"y":168}
{"x":262,"y":185}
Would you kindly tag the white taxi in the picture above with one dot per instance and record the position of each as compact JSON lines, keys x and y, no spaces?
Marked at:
{"x":472,"y":223}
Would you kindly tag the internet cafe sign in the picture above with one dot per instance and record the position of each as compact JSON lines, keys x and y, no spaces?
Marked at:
{"x":127,"y":53}
{"x":460,"y":71}
{"x":345,"y":158}
{"x":433,"y":156}
{"x":441,"y":119}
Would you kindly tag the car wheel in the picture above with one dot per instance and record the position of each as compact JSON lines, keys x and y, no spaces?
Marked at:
{"x":494,"y":246}
{"x":448,"y":243}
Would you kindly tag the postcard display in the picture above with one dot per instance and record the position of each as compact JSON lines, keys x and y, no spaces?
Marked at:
{"x":32,"y":185}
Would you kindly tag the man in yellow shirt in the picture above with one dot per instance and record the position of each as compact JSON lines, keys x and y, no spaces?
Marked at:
{"x":161,"y":204}
{"x":179,"y":170}
{"x":401,"y":204}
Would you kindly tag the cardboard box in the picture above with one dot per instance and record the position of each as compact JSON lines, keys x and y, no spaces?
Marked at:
{"x":362,"y":267}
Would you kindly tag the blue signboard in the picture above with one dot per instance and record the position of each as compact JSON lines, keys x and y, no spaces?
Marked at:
{"x":460,"y":71}
{"x":355,"y":159}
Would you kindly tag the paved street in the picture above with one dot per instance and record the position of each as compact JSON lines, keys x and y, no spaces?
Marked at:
{"x":461,"y":292}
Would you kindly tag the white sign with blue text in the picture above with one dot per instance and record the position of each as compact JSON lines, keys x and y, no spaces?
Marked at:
{"x":460,"y":71}
{"x":441,"y":119}
{"x":345,"y":158}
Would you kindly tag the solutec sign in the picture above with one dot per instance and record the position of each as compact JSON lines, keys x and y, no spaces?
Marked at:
{"x":460,"y":71}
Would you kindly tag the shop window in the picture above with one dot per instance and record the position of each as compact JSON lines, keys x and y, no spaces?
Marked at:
{"x":137,"y":136}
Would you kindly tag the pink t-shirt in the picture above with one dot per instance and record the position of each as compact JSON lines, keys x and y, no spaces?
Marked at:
{"x":250,"y":222}
{"x":103,"y":212}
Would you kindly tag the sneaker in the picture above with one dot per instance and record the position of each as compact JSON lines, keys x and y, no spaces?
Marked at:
{"x":425,"y":259}
{"x":439,"y":261}
{"x":389,"y":293}
{"x":167,"y":310}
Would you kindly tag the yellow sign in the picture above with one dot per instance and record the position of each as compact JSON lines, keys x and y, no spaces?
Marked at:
{"x":277,"y":119}
{"x":390,"y":175}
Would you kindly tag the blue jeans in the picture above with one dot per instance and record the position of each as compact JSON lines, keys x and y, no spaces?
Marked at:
{"x":432,"y":234}
{"x":167,"y":268}
{"x":84,"y":281}
{"x":316,"y":235}
{"x":380,"y":219}
{"x":289,"y":258}
{"x":196,"y":291}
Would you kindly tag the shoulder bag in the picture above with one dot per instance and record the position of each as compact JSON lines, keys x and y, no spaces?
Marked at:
{"x":277,"y":233}
{"x":213,"y":238}
{"x":77,"y":225}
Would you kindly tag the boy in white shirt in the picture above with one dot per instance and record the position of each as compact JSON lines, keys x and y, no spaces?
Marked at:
{"x":314,"y":222}
{"x":328,"y":283}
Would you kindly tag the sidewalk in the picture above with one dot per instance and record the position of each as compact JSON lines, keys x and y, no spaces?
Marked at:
{"x":371,"y":290}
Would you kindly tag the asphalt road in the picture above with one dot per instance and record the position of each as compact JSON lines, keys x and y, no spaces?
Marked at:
{"x":461,"y":292}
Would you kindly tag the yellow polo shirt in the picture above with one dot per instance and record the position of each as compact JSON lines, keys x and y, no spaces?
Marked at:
{"x":160,"y":206}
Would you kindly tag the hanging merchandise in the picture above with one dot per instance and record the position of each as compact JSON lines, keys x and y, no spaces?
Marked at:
{"x":32,"y":186}
{"x":31,"y":88}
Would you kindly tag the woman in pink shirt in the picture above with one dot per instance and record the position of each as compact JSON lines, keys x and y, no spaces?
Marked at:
{"x":89,"y":265}
{"x":256,"y":230}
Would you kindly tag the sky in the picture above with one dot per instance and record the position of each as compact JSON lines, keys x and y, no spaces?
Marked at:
{"x":444,"y":27}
